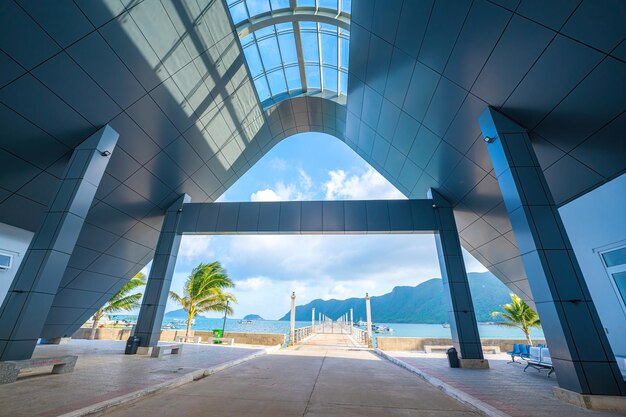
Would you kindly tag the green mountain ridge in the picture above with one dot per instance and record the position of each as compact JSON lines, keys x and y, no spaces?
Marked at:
{"x":424,"y":303}
{"x":253,"y":317}
{"x":179,"y":314}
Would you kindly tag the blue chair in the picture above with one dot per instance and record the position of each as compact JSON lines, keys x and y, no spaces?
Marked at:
{"x":524,"y":351}
{"x":515,"y":352}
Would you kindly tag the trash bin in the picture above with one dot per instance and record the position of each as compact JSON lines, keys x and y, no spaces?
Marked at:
{"x":453,"y":358}
{"x":218,"y":333}
{"x":132,"y":344}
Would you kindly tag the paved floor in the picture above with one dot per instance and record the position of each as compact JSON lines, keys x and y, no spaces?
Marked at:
{"x":504,"y":386}
{"x":328,"y":376}
{"x":103,"y":372}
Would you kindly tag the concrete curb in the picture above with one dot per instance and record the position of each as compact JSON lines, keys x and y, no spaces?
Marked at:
{"x":455,"y":393}
{"x":164,"y":386}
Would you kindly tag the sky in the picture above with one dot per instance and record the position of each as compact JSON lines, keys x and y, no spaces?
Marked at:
{"x":267,"y":268}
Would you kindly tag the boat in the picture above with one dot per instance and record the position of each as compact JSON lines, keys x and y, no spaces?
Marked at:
{"x":245,"y":322}
{"x":445,"y":325}
{"x":382,"y":329}
{"x":361,"y":323}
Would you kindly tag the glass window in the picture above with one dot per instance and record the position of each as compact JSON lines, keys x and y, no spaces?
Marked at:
{"x":288,"y":48}
{"x":262,"y":89}
{"x":615,"y":257}
{"x":313,"y":80}
{"x":256,"y":7}
{"x":330,"y":79}
{"x":254,"y":60}
{"x":280,"y":4}
{"x":620,"y":283}
{"x":328,"y":4}
{"x":276,"y":80}
{"x":346,"y":6}
{"x":329,"y":49}
{"x":293,"y":78}
{"x":272,"y":56}
{"x":239,"y":12}
{"x":310,"y":47}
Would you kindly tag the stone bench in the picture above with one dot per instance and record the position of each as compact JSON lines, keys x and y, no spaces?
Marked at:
{"x":222,"y":340}
{"x":489,"y":349}
{"x":157,"y":351}
{"x":10,"y":370}
{"x":194,"y":339}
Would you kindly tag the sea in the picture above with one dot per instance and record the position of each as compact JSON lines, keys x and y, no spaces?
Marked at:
{"x":486,"y":331}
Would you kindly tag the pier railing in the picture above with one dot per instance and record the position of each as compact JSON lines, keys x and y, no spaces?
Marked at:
{"x":361,"y":336}
{"x":301,"y":333}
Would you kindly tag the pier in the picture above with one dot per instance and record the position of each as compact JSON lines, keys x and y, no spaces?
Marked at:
{"x":329,"y":374}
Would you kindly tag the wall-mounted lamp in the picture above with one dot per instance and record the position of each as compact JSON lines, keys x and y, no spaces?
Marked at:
{"x":489,"y":140}
{"x":105,"y":153}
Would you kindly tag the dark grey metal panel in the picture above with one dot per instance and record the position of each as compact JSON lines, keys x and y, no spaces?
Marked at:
{"x":310,"y":217}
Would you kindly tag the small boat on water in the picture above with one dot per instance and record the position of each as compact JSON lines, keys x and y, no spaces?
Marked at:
{"x":383,"y":329}
{"x":361,"y":323}
{"x":445,"y":325}
{"x":245,"y":322}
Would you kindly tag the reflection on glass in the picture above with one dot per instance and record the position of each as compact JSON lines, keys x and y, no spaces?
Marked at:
{"x":620,"y":282}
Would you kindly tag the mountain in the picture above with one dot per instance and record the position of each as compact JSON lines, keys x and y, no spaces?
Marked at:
{"x":253,"y":317}
{"x":424,"y":303}
{"x":179,"y":314}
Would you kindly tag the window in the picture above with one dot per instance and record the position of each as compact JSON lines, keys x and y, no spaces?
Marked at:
{"x":319,"y":29}
{"x":615,"y":263}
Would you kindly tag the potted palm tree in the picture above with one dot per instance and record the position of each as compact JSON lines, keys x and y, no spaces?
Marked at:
{"x":518,"y":314}
{"x":121,"y":301}
{"x":204,"y":290}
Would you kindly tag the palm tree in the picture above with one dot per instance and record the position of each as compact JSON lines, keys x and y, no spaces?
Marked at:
{"x":204,"y":291}
{"x":518,"y":314}
{"x":121,"y":301}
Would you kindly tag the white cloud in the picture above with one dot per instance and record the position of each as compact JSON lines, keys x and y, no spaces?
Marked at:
{"x":298,"y":191}
{"x":279,"y":164}
{"x":369,"y":185}
{"x":192,"y":247}
{"x":253,"y":284}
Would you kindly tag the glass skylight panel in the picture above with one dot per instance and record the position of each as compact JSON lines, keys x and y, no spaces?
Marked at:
{"x":271,"y":51}
{"x":288,"y":48}
{"x":292,"y":74}
{"x":313,"y":77}
{"x":277,"y":82}
{"x":327,"y":4}
{"x":306,"y":3}
{"x":256,"y":7}
{"x":280,"y":4}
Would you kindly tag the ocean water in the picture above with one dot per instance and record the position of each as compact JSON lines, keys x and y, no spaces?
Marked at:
{"x":486,"y":331}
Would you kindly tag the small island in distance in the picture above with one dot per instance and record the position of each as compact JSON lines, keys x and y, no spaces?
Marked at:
{"x":253,"y":317}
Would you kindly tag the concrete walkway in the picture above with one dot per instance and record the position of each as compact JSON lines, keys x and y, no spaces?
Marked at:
{"x":104,"y":374}
{"x":504,"y":386}
{"x":328,"y":376}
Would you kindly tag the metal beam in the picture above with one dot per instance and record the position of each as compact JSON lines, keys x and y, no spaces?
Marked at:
{"x":309,"y":217}
{"x":258,"y":22}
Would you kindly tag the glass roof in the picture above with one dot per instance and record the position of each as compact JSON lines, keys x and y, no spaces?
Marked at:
{"x":294,"y":47}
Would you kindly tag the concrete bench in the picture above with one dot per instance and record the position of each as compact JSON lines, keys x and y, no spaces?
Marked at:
{"x":222,"y":340}
{"x":157,"y":351}
{"x":430,"y":348}
{"x":10,"y":370}
{"x":194,"y":339}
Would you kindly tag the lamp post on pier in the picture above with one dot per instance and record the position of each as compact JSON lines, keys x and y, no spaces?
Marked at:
{"x":368,"y":312}
{"x":292,"y":320}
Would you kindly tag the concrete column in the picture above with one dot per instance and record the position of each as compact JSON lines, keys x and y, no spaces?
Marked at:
{"x":313,"y":318}
{"x":28,"y":301}
{"x":292,"y":319}
{"x":368,"y":314}
{"x":582,"y":357}
{"x":351,"y":317}
{"x":160,"y":279}
{"x":463,"y":326}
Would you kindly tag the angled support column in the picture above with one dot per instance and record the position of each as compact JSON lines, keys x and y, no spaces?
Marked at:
{"x":26,"y":306}
{"x":160,"y":279}
{"x":582,"y":357}
{"x":463,"y":324}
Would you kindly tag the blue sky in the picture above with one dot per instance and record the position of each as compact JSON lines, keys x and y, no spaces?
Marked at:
{"x":266,"y":269}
